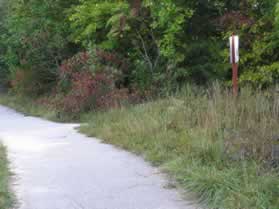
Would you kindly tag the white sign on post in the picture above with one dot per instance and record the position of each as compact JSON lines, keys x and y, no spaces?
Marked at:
{"x":234,"y":49}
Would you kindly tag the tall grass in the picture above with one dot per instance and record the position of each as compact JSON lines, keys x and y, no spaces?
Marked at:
{"x":213,"y":144}
{"x":5,"y":195}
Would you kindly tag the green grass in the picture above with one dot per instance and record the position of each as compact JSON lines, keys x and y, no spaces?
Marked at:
{"x":214,"y":145}
{"x":5,"y":195}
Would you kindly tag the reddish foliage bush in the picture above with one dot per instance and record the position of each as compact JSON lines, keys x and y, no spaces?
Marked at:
{"x":70,"y":68}
{"x":85,"y":90}
{"x":112,"y":59}
{"x":80,"y":89}
{"x":78,"y":63}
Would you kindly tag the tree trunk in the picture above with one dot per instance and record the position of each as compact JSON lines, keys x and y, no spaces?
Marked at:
{"x":135,"y":5}
{"x":135,"y":9}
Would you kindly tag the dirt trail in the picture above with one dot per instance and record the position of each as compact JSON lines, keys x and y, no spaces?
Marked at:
{"x":57,"y":168}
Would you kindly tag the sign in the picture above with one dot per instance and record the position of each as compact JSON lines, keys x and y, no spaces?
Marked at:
{"x":234,"y":58}
{"x":234,"y":49}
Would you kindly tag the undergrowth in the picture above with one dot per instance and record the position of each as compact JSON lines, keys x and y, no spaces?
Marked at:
{"x":216,"y":146}
{"x":5,"y":195}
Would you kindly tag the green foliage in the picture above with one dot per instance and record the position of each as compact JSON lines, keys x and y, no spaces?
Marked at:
{"x":260,"y":44}
{"x":36,"y":40}
{"x":187,"y":40}
{"x":277,"y":15}
{"x":177,"y":41}
{"x":169,"y":19}
{"x":264,"y":76}
{"x":90,"y":21}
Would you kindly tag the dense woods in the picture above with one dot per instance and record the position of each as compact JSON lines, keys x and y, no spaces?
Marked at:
{"x":139,"y":46}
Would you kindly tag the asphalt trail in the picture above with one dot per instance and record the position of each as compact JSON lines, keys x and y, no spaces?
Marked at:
{"x":55,"y":167}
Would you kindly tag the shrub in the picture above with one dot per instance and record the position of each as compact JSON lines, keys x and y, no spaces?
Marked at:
{"x":31,"y":82}
{"x":87,"y":84}
{"x":78,"y":63}
{"x":86,"y":91}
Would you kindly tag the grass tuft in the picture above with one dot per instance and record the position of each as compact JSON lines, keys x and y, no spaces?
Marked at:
{"x":5,"y":195}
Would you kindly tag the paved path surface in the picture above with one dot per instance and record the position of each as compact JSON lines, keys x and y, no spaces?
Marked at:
{"x":57,"y":168}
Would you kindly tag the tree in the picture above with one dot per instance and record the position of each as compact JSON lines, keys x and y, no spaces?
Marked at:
{"x":37,"y":42}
